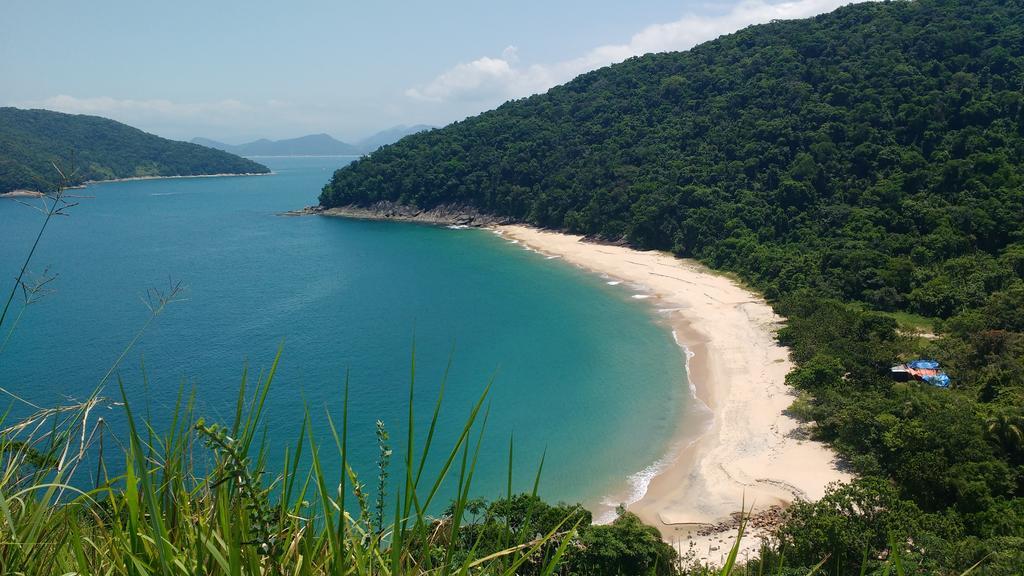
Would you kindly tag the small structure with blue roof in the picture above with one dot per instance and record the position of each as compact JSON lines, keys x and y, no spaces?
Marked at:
{"x":922,"y":370}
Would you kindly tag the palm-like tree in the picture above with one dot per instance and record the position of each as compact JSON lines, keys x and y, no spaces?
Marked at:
{"x":1006,"y":430}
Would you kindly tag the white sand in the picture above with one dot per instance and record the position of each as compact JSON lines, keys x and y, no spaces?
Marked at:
{"x":218,"y":175}
{"x":22,"y":194}
{"x":738,"y":369}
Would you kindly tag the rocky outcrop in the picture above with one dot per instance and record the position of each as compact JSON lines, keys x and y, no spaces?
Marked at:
{"x":445,"y":214}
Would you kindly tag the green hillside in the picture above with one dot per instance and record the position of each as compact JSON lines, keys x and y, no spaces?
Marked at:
{"x":861,"y":168}
{"x":860,"y":153}
{"x":102,"y":149}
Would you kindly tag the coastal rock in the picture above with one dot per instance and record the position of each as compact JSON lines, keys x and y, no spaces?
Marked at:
{"x":307,"y":211}
{"x":767,"y":520}
{"x":445,"y":214}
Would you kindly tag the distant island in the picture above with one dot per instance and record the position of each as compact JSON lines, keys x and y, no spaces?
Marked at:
{"x":315,"y":144}
{"x":32,"y":141}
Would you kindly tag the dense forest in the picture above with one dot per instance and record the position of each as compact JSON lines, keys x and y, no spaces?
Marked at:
{"x":31,"y":141}
{"x":865,"y":170}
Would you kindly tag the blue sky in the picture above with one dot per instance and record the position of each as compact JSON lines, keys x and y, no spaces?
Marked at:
{"x":236,"y":71}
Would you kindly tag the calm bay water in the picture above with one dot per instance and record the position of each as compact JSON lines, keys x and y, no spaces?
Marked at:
{"x":579,"y":368}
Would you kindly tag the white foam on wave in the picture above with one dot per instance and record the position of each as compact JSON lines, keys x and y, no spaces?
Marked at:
{"x":641,"y":296}
{"x":613,"y":282}
{"x":457,"y":227}
{"x":552,"y":257}
{"x":640,"y":481}
{"x":689,"y":379}
{"x":513,"y":241}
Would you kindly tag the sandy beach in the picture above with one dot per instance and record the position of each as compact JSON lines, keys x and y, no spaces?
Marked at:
{"x":136,"y":178}
{"x":22,"y":194}
{"x":751,"y":453}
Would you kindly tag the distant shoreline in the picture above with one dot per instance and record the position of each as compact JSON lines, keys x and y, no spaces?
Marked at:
{"x":22,"y":194}
{"x":444,"y":215}
{"x":37,"y":194}
{"x":135,"y":178}
{"x":303,"y":155}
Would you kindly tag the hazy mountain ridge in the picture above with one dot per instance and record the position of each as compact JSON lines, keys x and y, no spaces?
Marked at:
{"x":390,"y":136}
{"x":314,"y":144}
{"x":311,"y":145}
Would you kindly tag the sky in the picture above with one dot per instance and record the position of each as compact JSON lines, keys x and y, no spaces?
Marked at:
{"x":239,"y":70}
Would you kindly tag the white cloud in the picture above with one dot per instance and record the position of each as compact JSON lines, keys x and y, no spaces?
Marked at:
{"x":105,"y":105}
{"x":218,"y":118}
{"x":464,"y":89}
{"x":482,"y":77}
{"x":487,"y":78}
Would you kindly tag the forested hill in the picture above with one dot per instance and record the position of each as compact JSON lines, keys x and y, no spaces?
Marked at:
{"x":855,"y":167}
{"x":102,"y":149}
{"x":860,"y":152}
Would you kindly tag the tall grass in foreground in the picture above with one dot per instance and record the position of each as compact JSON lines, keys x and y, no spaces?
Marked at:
{"x":164,"y":516}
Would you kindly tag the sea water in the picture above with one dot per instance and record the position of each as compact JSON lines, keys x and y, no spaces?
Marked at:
{"x":580,"y":371}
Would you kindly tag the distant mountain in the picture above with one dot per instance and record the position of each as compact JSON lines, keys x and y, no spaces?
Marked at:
{"x":312,"y":145}
{"x":390,"y":136}
{"x":210,"y":143}
{"x":31,"y":140}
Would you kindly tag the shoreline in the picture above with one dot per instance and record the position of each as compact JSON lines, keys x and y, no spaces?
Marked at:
{"x":22,"y":194}
{"x":37,"y":194}
{"x":444,"y":215}
{"x":750,"y":453}
{"x":136,"y":178}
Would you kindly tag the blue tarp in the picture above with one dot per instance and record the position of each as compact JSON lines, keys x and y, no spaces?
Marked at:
{"x":923,"y":364}
{"x":940,"y":380}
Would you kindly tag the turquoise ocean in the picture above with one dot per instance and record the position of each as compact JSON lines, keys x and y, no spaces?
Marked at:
{"x":581,"y":371}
